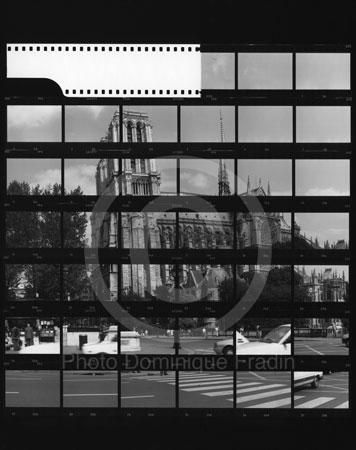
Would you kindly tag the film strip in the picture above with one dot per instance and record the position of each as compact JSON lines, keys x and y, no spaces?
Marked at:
{"x":202,"y":223}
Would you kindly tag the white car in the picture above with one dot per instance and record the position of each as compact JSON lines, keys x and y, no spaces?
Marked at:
{"x":276,"y":342}
{"x":307,"y":378}
{"x":43,"y":348}
{"x":130,"y":342}
{"x":226,"y":346}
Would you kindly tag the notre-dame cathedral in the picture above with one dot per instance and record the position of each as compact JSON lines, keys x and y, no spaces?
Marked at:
{"x":158,"y":231}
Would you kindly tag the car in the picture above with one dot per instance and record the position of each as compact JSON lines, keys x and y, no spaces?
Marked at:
{"x":49,"y":348}
{"x":276,"y":342}
{"x":226,"y":346}
{"x":130,"y":342}
{"x":307,"y":378}
{"x":345,"y":339}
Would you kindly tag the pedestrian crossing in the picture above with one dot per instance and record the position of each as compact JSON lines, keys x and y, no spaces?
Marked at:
{"x":251,"y":391}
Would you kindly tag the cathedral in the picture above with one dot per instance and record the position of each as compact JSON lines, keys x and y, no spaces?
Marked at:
{"x":209,"y":230}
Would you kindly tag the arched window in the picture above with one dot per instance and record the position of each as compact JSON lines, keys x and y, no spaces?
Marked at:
{"x":139,"y":132}
{"x":129,"y":132}
{"x":133,"y":165}
{"x":143,"y":165}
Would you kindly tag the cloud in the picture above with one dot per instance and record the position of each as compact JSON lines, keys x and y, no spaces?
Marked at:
{"x":32,"y":115}
{"x":46,"y":178}
{"x":329,"y":191}
{"x":82,"y":175}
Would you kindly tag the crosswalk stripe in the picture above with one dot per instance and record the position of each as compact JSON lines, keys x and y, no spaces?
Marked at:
{"x":247,"y":398}
{"x":230,"y":392}
{"x":203,"y":383}
{"x":209,"y":388}
{"x":273,"y":403}
{"x":343,"y":405}
{"x":186,"y":376}
{"x":165,"y":379}
{"x":315,"y":402}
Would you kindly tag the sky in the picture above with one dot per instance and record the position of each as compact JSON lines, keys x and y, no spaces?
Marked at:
{"x":265,"y":71}
{"x":90,"y":123}
{"x":200,"y":176}
{"x":323,"y":124}
{"x":322,"y":177}
{"x":38,"y":171}
{"x":265,"y":124}
{"x":324,"y":226}
{"x":202,"y":123}
{"x":277,"y":171}
{"x":34,"y":123}
{"x":218,"y":70}
{"x":323,"y":71}
{"x":339,"y":269}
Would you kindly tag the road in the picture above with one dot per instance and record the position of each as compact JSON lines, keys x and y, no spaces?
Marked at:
{"x":333,"y":392}
{"x":90,"y":390}
{"x":319,"y":346}
{"x":32,"y":388}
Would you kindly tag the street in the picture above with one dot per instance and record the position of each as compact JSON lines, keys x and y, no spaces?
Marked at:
{"x":333,"y":392}
{"x":32,"y":388}
{"x":319,"y":346}
{"x":90,"y":389}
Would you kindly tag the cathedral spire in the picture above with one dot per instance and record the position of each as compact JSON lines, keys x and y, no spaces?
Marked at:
{"x":268,"y":189}
{"x":223,"y":179}
{"x":248,"y":185}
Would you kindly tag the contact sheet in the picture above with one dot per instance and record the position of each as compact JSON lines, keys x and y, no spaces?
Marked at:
{"x":177,"y":230}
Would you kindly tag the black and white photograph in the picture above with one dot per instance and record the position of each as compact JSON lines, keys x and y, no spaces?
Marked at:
{"x":323,"y":70}
{"x":89,"y":389}
{"x":78,"y":282}
{"x":32,"y":388}
{"x":321,"y":336}
{"x":33,"y":229}
{"x":144,"y":281}
{"x":148,"y":230}
{"x":276,"y":281}
{"x":148,"y":389}
{"x":207,"y":177}
{"x":322,"y":177}
{"x":326,"y":124}
{"x":90,"y":335}
{"x":264,"y":177}
{"x":31,"y":335}
{"x":213,"y":230}
{"x":265,"y":70}
{"x":34,"y":123}
{"x":81,"y":176}
{"x":317,"y":283}
{"x":205,"y":282}
{"x":41,"y":177}
{"x":32,"y":282}
{"x":145,"y":177}
{"x":321,"y":231}
{"x":257,"y":336}
{"x":318,"y":389}
{"x":264,"y":230}
{"x":263,"y":389}
{"x":218,"y":70}
{"x":205,"y":389}
{"x":207,"y":123}
{"x":267,"y":124}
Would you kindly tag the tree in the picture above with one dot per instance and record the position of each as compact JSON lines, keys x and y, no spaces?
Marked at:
{"x":226,"y":292}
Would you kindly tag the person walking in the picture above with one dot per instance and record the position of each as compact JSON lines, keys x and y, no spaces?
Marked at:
{"x":15,"y":337}
{"x":258,"y":333}
{"x":28,"y":335}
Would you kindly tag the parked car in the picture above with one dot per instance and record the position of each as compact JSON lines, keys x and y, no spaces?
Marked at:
{"x":307,"y":378}
{"x":130,"y":342}
{"x":226,"y":346}
{"x":345,"y":339}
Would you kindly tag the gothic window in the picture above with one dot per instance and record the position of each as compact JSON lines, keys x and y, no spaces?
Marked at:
{"x":219,"y":237}
{"x":139,"y":132}
{"x":133,"y":165}
{"x":142,"y":166}
{"x":129,"y":132}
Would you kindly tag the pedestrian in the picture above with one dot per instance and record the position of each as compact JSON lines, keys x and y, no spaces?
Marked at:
{"x":334,"y":328}
{"x":28,"y":335}
{"x":15,"y":337}
{"x":258,"y":333}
